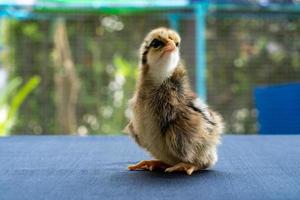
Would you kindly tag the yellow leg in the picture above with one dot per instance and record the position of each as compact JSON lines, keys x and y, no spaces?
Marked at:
{"x":148,"y":165}
{"x":186,"y":167}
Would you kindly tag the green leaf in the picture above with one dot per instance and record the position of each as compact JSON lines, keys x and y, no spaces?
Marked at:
{"x":17,"y":100}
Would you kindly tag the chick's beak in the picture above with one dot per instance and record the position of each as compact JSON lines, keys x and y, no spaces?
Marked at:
{"x":170,"y":46}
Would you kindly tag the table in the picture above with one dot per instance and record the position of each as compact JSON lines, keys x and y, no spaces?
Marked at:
{"x":95,"y":167}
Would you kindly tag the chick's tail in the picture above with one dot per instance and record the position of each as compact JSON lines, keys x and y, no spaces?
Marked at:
{"x":218,"y":123}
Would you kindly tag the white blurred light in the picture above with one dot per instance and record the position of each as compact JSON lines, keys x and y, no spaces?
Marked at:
{"x":273,"y":47}
{"x":3,"y":113}
{"x":107,"y":112}
{"x":3,"y":78}
{"x":112,"y":23}
{"x":82,"y":130}
{"x":118,"y":97}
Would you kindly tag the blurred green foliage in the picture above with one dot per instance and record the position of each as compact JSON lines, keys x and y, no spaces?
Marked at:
{"x":241,"y":54}
{"x":245,"y":53}
{"x":11,"y":98}
{"x":107,"y":80}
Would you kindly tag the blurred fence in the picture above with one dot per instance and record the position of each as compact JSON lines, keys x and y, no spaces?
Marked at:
{"x":242,"y":52}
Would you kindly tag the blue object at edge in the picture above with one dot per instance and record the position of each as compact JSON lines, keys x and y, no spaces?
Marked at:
{"x":278,"y":108}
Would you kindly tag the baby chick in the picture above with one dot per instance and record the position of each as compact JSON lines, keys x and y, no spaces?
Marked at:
{"x":168,"y":119}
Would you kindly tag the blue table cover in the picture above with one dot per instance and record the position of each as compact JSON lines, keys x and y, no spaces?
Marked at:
{"x":95,"y":167}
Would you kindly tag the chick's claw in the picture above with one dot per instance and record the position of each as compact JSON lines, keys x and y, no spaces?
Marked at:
{"x":188,"y":168}
{"x":148,"y":165}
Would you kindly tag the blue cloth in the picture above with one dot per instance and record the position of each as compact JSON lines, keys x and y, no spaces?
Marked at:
{"x":278,"y":108}
{"x":95,"y":167}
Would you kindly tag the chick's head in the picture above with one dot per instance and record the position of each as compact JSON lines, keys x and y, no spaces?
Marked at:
{"x":160,"y":52}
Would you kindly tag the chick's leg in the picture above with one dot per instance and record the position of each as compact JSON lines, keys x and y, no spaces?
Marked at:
{"x":186,"y":167}
{"x":149,"y":165}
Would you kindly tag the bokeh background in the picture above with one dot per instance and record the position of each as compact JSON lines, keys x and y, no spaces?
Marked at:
{"x":64,"y":71}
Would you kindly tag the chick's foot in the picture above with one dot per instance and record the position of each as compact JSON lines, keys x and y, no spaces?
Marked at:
{"x":148,"y":165}
{"x":183,"y":167}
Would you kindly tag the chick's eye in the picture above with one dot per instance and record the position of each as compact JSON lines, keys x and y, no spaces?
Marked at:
{"x":156,"y":43}
{"x":177,"y":44}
